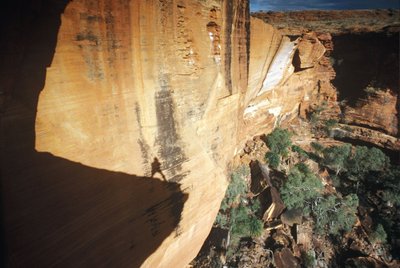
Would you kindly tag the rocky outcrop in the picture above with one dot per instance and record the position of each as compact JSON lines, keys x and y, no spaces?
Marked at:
{"x":367,"y":135}
{"x":366,"y":84}
{"x":377,"y":111}
{"x":285,"y":77}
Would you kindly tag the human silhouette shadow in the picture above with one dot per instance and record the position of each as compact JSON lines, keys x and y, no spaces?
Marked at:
{"x":156,"y":168}
{"x":56,"y":212}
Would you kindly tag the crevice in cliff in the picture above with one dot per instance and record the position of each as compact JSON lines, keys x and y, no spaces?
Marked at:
{"x":296,"y":62}
{"x":228,"y":50}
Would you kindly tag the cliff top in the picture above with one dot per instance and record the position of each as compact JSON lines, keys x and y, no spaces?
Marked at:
{"x":333,"y":21}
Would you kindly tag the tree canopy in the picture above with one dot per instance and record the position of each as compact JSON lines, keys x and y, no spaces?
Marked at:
{"x":336,"y":157}
{"x":301,"y":187}
{"x":333,"y":214}
{"x":367,"y":159}
{"x":279,"y":141}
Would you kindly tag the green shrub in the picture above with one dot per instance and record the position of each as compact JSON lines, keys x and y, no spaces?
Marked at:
{"x":365,"y":160}
{"x":301,"y":187}
{"x":329,"y":124}
{"x":333,"y":215}
{"x":234,"y":214}
{"x":379,"y":235}
{"x":308,"y":259}
{"x":256,"y":227}
{"x":236,"y":187}
{"x":273,"y":159}
{"x":317,"y":147}
{"x":314,"y":118}
{"x":244,"y":223}
{"x":302,"y":153}
{"x":337,"y":157}
{"x":279,"y":141}
{"x":391,"y":183}
{"x":222,"y":220}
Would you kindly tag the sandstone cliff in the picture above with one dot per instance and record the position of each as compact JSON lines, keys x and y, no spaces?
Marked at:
{"x":118,"y":125}
{"x":119,"y":119}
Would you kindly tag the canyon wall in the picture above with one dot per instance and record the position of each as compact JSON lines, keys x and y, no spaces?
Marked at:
{"x":119,"y":120}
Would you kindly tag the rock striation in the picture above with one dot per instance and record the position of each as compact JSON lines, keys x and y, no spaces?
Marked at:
{"x":377,"y":111}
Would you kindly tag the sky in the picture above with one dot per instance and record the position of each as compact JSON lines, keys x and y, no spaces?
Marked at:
{"x":279,"y":5}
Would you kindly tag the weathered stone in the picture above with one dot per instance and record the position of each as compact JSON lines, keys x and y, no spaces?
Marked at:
{"x":285,"y":259}
{"x":275,"y":204}
{"x":292,"y":216}
{"x":259,"y":179}
{"x":377,"y":111}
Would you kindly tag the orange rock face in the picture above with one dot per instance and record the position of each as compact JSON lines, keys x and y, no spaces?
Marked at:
{"x":116,"y":154}
{"x":377,"y":111}
{"x":116,"y":140}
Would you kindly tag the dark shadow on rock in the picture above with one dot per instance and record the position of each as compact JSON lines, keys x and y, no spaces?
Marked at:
{"x":56,"y":212}
{"x":365,"y":59}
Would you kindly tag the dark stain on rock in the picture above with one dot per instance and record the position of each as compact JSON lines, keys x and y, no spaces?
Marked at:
{"x":144,"y":147}
{"x":90,"y":18}
{"x":111,"y":40}
{"x":168,"y":139}
{"x":88,"y":36}
{"x":247,"y":26}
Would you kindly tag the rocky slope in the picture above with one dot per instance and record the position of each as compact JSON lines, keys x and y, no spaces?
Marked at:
{"x":119,"y":119}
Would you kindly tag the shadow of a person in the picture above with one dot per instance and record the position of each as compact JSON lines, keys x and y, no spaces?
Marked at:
{"x":156,"y":168}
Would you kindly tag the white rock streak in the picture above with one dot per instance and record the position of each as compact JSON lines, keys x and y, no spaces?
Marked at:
{"x":278,"y":66}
